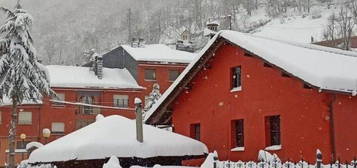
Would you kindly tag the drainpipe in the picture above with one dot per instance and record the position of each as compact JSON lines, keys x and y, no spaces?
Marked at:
{"x":332,"y":128}
{"x":139,"y":120}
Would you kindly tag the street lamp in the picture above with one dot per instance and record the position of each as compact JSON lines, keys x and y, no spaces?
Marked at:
{"x":46,"y":133}
{"x":23,"y":137}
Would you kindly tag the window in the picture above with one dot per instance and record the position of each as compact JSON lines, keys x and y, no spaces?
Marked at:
{"x":60,"y":97}
{"x":272,"y":124}
{"x":238,"y":133}
{"x":87,"y":109}
{"x":147,"y":100}
{"x":57,"y":127}
{"x":150,"y":74}
{"x":196,"y":131}
{"x":173,"y":74}
{"x":236,"y":78}
{"x":25,"y":118}
{"x":121,"y":101}
{"x":21,"y":144}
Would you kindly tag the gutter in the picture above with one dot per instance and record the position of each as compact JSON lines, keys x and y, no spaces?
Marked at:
{"x":332,"y":128}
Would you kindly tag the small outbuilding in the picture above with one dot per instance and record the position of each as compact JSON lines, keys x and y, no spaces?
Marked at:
{"x":93,"y":145}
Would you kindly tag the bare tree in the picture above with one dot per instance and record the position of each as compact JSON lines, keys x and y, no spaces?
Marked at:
{"x":330,"y":32}
{"x":346,"y":23}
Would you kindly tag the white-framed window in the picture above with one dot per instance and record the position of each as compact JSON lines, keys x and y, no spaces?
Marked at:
{"x":121,"y":101}
{"x":57,"y":127}
{"x":88,"y":110}
{"x":60,"y":97}
{"x":25,"y":118}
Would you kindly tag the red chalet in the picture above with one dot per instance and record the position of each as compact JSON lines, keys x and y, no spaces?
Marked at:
{"x":245,"y":93}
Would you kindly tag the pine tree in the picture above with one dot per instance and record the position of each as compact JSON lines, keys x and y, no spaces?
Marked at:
{"x":22,"y":77}
{"x":154,"y":96}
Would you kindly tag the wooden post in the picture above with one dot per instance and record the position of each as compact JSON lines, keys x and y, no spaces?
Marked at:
{"x":139,"y":120}
{"x":318,"y":159}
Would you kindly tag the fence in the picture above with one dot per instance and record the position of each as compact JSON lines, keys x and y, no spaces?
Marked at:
{"x":278,"y":164}
{"x":301,"y":164}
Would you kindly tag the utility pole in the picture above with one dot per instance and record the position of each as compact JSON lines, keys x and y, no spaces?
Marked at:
{"x":129,"y":25}
{"x":139,"y":120}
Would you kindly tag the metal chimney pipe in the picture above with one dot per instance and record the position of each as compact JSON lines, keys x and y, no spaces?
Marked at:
{"x":139,"y":120}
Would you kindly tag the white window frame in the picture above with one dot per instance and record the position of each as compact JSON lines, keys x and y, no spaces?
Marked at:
{"x":27,"y":121}
{"x":117,"y":98}
{"x":59,"y":128}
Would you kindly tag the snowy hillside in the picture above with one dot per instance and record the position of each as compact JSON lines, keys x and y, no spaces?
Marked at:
{"x":64,"y":30}
{"x":297,"y":27}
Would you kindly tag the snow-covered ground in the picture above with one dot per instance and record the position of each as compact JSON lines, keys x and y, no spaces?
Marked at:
{"x":296,"y":27}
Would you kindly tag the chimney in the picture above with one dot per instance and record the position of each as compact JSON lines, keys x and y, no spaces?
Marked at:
{"x":94,"y":64}
{"x":134,"y":42}
{"x":139,"y":120}
{"x":141,"y":42}
{"x":99,"y":67}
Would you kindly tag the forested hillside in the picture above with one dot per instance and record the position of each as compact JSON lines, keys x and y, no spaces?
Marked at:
{"x":64,"y":30}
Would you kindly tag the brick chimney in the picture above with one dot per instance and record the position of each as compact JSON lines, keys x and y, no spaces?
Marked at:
{"x":99,"y":71}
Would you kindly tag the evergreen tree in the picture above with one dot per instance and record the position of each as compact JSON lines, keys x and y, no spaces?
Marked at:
{"x":154,"y":96}
{"x":22,"y":77}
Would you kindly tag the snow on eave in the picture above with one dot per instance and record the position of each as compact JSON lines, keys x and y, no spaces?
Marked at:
{"x":6,"y":101}
{"x":315,"y":48}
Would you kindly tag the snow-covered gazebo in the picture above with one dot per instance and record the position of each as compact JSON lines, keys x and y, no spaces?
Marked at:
{"x":93,"y":145}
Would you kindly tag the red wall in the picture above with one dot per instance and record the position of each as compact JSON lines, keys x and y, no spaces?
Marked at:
{"x":345,"y":117}
{"x":304,"y":113}
{"x":162,"y":76}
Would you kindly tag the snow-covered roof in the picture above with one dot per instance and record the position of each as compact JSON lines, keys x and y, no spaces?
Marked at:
{"x":208,"y":32}
{"x":116,"y":136}
{"x":214,"y":22}
{"x":6,"y":101}
{"x":323,"y":67}
{"x":159,"y":53}
{"x":82,"y":77}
